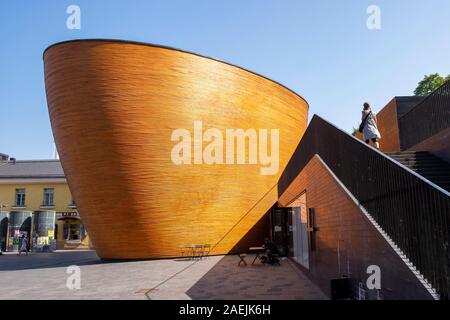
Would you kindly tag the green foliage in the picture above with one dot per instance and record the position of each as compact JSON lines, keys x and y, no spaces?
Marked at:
{"x":429,"y":84}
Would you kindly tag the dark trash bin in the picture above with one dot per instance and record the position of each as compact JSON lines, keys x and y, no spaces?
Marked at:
{"x":340,"y":289}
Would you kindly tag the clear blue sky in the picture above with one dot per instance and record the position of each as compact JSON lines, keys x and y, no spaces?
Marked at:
{"x":321,"y":49}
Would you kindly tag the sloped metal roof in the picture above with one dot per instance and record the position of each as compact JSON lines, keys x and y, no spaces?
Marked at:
{"x":31,"y":169}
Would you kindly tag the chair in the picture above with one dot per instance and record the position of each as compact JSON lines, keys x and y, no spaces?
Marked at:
{"x":242,"y":258}
{"x":274,"y":259}
{"x":186,"y":249}
{"x":182,"y":249}
{"x":204,"y":252}
{"x":197,"y":251}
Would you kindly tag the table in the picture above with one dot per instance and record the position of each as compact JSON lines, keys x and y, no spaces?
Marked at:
{"x":195,"y":250}
{"x":189,"y":250}
{"x":258,"y":251}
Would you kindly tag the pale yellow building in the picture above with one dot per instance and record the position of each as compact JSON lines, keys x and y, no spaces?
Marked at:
{"x":35,"y":200}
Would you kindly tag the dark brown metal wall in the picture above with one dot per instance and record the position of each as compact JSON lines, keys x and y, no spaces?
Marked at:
{"x":414,"y":213}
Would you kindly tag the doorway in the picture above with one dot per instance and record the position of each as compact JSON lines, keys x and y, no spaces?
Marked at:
{"x":281,"y":230}
{"x":3,"y":232}
{"x":300,"y":230}
{"x":72,"y":230}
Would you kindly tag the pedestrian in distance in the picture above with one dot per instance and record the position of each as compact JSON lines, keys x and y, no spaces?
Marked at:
{"x":369,"y":127}
{"x":24,"y":245}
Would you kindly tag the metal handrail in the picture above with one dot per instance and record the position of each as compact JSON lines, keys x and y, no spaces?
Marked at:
{"x":426,"y":119}
{"x":413,"y":211}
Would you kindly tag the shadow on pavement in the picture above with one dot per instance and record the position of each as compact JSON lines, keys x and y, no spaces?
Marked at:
{"x":228,"y":281}
{"x":11,"y":262}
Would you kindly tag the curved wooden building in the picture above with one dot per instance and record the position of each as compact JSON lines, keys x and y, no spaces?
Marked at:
{"x":113,"y":107}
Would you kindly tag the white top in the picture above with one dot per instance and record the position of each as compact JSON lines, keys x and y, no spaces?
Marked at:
{"x":24,"y":244}
{"x":370,"y":130}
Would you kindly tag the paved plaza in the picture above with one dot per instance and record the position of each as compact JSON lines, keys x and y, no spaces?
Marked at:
{"x":43,"y":276}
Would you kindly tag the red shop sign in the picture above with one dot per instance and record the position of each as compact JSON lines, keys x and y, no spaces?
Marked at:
{"x":69,"y":214}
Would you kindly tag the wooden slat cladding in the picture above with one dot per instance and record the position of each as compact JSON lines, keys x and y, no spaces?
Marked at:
{"x":113,"y":107}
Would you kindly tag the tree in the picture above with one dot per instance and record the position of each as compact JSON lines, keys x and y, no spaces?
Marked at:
{"x":429,"y":84}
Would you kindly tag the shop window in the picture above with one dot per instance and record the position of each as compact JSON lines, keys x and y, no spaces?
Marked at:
{"x":72,"y":231}
{"x":20,"y":198}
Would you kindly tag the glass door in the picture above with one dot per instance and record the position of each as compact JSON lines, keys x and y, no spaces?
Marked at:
{"x":300,"y":231}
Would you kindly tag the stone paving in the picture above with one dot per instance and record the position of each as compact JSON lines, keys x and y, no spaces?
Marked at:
{"x":226,"y":280}
{"x":43,"y":276}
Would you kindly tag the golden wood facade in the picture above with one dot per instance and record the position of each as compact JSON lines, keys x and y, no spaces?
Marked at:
{"x":113,"y":106}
